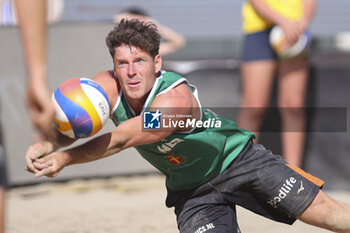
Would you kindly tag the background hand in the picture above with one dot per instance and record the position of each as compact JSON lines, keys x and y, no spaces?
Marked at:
{"x":41,"y":109}
{"x":292,"y":31}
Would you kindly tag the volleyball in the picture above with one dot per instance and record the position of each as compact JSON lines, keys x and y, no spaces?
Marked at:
{"x":277,"y":40}
{"x":82,"y":107}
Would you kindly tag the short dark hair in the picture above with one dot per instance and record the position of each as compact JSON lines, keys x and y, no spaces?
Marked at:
{"x":136,"y":33}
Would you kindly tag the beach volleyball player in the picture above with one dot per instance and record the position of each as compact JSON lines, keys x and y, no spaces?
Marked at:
{"x":209,"y":168}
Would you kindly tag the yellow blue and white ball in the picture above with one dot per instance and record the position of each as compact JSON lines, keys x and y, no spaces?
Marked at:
{"x":82,"y":107}
{"x":277,"y":40}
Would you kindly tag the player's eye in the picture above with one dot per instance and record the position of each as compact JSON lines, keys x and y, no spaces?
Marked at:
{"x":140,"y":61}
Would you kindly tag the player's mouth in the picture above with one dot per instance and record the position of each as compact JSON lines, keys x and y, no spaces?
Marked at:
{"x":134,"y":84}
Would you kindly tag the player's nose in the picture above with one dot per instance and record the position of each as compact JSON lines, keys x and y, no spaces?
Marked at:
{"x":131,"y":70}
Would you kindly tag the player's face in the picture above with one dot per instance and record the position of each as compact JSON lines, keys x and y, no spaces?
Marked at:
{"x":136,"y":71}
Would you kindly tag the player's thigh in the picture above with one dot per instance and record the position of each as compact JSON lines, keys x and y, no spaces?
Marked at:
{"x":264,"y":183}
{"x":257,"y":69}
{"x":211,"y":219}
{"x":293,"y":78}
{"x":257,"y":79}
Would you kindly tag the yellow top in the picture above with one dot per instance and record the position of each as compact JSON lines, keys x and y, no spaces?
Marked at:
{"x":253,"y":22}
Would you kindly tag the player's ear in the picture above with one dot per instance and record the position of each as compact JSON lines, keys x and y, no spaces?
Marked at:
{"x":158,"y":63}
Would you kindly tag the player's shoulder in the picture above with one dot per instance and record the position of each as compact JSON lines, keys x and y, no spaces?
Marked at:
{"x":109,"y":83}
{"x":178,"y":96}
{"x":104,"y":76}
{"x":170,"y":74}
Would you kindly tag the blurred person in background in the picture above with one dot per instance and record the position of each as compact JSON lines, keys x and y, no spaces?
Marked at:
{"x":8,"y":15}
{"x":260,"y":64}
{"x":171,"y":40}
{"x":32,"y":19}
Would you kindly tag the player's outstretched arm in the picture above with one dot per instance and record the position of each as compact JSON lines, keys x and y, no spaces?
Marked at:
{"x":45,"y":147}
{"x":128,"y":134}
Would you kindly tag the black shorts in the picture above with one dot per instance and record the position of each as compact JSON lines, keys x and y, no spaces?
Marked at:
{"x":256,"y":180}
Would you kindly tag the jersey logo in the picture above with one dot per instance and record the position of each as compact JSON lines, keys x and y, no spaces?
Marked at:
{"x":174,"y":159}
{"x":167,"y":146}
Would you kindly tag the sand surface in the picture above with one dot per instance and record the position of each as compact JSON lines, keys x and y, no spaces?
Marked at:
{"x":120,"y":205}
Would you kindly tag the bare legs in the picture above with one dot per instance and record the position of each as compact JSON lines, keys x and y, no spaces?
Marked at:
{"x":257,"y":79}
{"x":293,"y":76}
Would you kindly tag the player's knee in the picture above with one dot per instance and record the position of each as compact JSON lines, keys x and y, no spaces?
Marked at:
{"x":292,"y":110}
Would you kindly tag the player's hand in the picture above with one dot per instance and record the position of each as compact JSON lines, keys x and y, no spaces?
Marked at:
{"x":37,"y":151}
{"x":41,"y":109}
{"x":292,"y":31}
{"x":50,"y":165}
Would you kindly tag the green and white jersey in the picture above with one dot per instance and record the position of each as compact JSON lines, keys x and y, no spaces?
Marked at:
{"x":191,"y":158}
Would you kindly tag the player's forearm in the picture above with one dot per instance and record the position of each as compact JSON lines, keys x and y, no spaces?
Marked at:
{"x":172,"y":40}
{"x":32,"y":21}
{"x":309,"y":11}
{"x":59,"y":140}
{"x":98,"y":148}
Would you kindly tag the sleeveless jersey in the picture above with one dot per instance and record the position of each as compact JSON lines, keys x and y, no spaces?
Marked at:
{"x":187,"y":159}
{"x":253,"y":22}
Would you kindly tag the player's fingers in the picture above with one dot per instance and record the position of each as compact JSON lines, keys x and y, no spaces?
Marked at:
{"x":34,"y":171}
{"x":53,"y":175}
{"x":29,"y":170}
{"x":29,"y":163}
{"x":40,"y":149}
{"x":41,"y":166}
{"x":34,"y":155}
{"x":34,"y":152}
{"x":44,"y":172}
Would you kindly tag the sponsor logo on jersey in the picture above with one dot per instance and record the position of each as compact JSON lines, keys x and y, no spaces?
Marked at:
{"x":283,"y":192}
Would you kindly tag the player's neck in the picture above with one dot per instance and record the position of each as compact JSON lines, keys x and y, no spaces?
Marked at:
{"x":137,"y":104}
